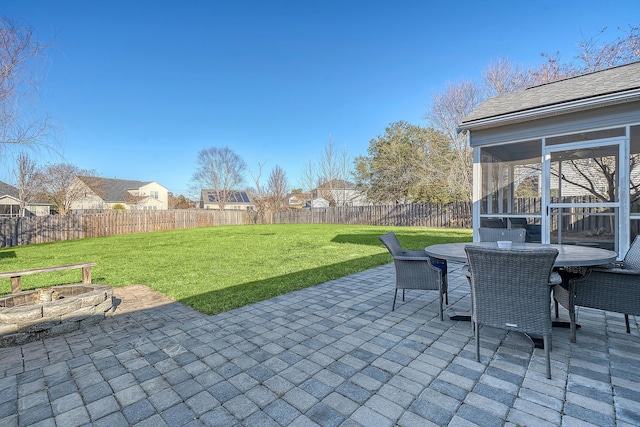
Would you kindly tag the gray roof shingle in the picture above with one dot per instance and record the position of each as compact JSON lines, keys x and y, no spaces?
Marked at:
{"x":605,"y":82}
{"x":8,"y":190}
{"x":112,"y":190}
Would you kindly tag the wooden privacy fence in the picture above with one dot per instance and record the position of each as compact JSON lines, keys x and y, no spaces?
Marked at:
{"x":53,"y":228}
{"x":455,"y":214}
{"x":24,"y":231}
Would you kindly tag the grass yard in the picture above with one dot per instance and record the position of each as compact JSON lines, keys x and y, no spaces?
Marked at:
{"x":219,"y":268}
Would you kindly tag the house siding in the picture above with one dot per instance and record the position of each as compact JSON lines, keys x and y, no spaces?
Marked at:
{"x":163,"y":195}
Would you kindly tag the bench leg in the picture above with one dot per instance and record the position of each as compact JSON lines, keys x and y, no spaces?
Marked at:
{"x":16,"y":285}
{"x":86,"y":275}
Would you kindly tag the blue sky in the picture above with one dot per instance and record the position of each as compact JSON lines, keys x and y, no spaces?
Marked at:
{"x":137,"y":88}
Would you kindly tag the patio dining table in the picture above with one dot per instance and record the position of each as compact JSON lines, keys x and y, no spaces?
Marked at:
{"x":568,"y":256}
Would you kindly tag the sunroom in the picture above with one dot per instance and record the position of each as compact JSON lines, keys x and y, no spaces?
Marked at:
{"x":561,"y":159}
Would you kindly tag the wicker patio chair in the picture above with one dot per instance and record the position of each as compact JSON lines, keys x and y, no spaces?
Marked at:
{"x":492,"y":223}
{"x":534,"y":231}
{"x":516,"y":235}
{"x":416,"y":270}
{"x":510,"y":290}
{"x":613,"y":287}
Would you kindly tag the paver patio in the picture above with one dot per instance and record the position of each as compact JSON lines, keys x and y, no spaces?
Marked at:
{"x":331,"y":355}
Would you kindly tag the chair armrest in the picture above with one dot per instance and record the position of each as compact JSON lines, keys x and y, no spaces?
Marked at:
{"x":411,"y":258}
{"x":608,"y":266}
{"x":465,"y":271}
{"x":414,"y":253}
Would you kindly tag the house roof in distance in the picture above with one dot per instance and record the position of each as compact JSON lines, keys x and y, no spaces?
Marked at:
{"x":111,"y":189}
{"x":8,"y":190}
{"x":11,"y":191}
{"x":609,"y":86}
{"x":210,"y":196}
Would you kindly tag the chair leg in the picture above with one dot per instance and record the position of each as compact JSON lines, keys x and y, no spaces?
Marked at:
{"x":440,"y":307}
{"x":445,"y":281}
{"x":547,"y":355}
{"x":477,"y":333}
{"x":395,"y":294}
{"x":403,"y":295}
{"x":555,"y":305}
{"x":626,"y":322}
{"x":572,"y":323}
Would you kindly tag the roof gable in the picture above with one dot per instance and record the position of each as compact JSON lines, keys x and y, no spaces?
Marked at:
{"x":571,"y":91}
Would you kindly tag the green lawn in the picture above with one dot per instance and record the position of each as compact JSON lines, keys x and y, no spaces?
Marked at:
{"x":219,"y":268}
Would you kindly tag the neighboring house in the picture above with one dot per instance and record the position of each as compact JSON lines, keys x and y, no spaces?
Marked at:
{"x":297,"y":200}
{"x":343,"y":193}
{"x":106,"y":193}
{"x":318,"y":202}
{"x":236,"y":200}
{"x":10,"y":203}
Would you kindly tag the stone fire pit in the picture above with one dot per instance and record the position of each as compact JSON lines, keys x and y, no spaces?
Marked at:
{"x":36,"y":314}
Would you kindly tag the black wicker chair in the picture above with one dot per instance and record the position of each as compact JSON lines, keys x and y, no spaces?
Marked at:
{"x":510,"y":290}
{"x":614,"y":287}
{"x":416,"y":270}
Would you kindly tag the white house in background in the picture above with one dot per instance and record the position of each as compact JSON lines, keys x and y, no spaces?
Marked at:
{"x":236,"y":200}
{"x":10,"y":203}
{"x":319,"y":202}
{"x":296,"y":200}
{"x":106,"y":193}
{"x":341,"y":192}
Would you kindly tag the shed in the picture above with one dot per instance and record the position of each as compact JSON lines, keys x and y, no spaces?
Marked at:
{"x":562,"y":159}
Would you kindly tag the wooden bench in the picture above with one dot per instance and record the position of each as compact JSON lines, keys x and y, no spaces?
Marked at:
{"x":16,"y":276}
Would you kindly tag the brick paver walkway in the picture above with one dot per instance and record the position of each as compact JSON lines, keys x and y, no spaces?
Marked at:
{"x":330,"y":355}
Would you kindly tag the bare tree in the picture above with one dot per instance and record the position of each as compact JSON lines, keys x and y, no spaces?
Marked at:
{"x":259,"y":195}
{"x":220,"y":170}
{"x":345,"y":173}
{"x":26,"y":181}
{"x":502,"y":76}
{"x":20,"y":55}
{"x":58,"y":184}
{"x":596,"y":56}
{"x":329,"y":171}
{"x":278,"y":187}
{"x":447,"y":111}
{"x":307,"y":180}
